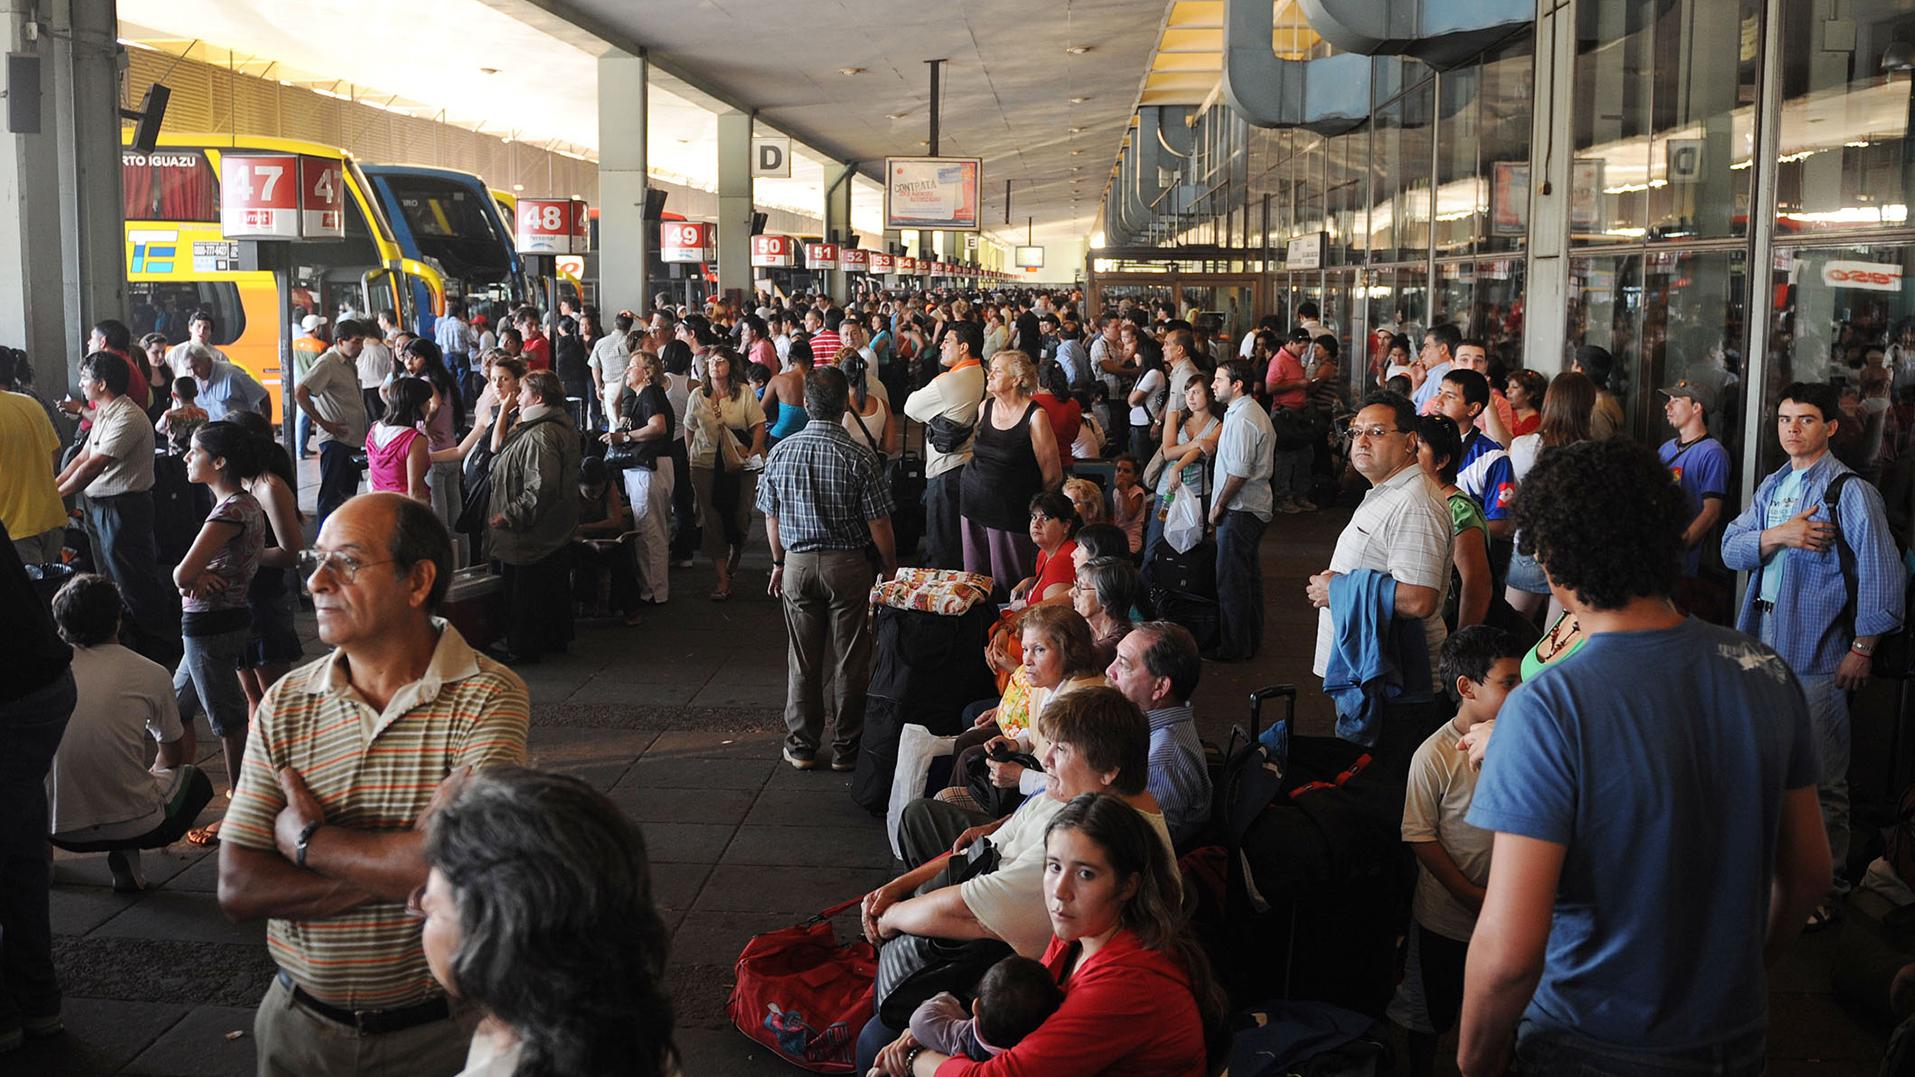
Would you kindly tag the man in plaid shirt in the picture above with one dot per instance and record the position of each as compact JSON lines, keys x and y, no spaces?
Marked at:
{"x":827,"y":511}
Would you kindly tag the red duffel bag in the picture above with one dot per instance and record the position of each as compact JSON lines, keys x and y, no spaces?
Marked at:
{"x":804,"y":994}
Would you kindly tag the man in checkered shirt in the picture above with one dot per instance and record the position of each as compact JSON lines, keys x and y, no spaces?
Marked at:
{"x":827,"y":516}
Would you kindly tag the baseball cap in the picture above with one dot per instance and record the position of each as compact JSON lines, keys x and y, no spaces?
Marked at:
{"x":1694,"y":390}
{"x":311,"y":322}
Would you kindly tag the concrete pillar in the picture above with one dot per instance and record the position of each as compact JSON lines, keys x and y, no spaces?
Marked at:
{"x":86,"y":101}
{"x":837,"y":217}
{"x":625,"y":255}
{"x":39,"y":246}
{"x":1546,"y":306}
{"x":734,"y":202}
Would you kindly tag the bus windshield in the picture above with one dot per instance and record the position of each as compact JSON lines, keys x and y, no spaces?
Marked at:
{"x":450,"y":224}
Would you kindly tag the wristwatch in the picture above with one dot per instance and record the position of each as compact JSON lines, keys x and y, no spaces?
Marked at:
{"x":305,"y":839}
{"x":1865,"y":651}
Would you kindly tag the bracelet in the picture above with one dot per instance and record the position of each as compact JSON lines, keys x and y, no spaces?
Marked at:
{"x":1865,"y":652}
{"x":778,"y":562}
{"x":305,"y":837}
{"x":911,"y":1058}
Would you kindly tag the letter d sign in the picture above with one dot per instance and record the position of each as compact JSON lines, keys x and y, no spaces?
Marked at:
{"x":771,"y":158}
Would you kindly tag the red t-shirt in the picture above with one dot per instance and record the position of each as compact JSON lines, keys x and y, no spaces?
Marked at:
{"x":1066,"y":419}
{"x":1053,"y":569}
{"x":537,"y":353}
{"x":1127,"y":1012}
{"x":1526,"y":426}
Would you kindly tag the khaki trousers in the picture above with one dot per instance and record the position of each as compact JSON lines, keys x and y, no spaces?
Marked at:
{"x":827,"y":619}
{"x":294,"y":1042}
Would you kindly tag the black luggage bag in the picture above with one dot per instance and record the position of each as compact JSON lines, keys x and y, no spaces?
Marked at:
{"x":926,"y":668}
{"x":1318,"y":876}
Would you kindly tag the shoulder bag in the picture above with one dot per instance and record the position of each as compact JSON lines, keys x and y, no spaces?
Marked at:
{"x":912,"y":968}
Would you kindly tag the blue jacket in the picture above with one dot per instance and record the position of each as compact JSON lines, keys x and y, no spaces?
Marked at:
{"x":1373,"y":658}
{"x":1809,"y":631}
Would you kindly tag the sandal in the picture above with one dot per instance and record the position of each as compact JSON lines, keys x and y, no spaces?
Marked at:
{"x":1824,"y":915}
{"x":204,"y":836}
{"x":720,"y":596}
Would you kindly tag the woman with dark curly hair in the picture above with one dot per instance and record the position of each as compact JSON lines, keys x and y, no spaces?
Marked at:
{"x":538,"y":911}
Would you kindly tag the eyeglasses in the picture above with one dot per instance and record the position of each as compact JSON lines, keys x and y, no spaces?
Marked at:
{"x":344,"y":567}
{"x":1079,"y":589}
{"x":1371,"y":433}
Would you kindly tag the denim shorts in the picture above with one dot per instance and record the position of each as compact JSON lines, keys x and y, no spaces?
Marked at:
{"x":1525,"y":574}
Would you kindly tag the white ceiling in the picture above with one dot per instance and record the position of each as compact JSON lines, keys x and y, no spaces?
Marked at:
{"x":1006,"y":94}
{"x":1008,"y":79}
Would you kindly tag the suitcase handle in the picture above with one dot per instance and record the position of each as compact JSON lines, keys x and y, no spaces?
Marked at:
{"x":831,"y":912}
{"x":1286,"y":692}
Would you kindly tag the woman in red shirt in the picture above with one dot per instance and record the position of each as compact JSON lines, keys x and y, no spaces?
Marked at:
{"x":1054,"y":524}
{"x":1138,"y":994}
{"x":1054,"y":396}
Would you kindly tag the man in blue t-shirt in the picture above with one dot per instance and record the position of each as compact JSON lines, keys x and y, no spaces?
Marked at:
{"x":1483,"y":468}
{"x":1698,"y":463}
{"x":1658,"y":841}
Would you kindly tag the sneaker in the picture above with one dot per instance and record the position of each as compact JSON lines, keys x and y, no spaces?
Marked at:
{"x":800,"y":762}
{"x":682,"y":562}
{"x":844,"y":764}
{"x":1287,"y":506}
{"x":129,"y":876}
{"x":1305,"y":505}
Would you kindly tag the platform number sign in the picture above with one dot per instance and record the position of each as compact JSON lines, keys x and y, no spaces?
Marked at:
{"x":259,"y":196}
{"x":322,"y":198}
{"x":552,"y":226}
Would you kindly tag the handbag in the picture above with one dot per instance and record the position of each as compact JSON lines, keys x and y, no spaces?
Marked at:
{"x":946,"y":434}
{"x":730,"y":450}
{"x":1155,"y":469}
{"x":1294,"y":428}
{"x":805,"y":995}
{"x":912,"y":968}
{"x":1184,"y":525}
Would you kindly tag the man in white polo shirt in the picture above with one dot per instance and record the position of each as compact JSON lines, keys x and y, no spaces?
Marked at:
{"x":1402,"y":530}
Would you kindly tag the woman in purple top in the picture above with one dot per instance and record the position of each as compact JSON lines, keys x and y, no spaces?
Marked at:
{"x":213,"y":579}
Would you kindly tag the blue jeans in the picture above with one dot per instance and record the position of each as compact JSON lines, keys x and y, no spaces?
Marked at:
{"x":1239,"y":585}
{"x":208,"y":678}
{"x":30,"y":731}
{"x":1829,"y":721}
{"x":122,"y":530}
{"x":1542,"y":1050}
{"x":338,"y":478}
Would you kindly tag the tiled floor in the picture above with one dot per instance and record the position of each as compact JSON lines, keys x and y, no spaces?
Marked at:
{"x":678,"y":721}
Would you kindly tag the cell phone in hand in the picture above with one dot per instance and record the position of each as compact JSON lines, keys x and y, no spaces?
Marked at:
{"x":1001,"y":752}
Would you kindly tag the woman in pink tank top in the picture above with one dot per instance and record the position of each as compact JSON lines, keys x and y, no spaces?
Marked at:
{"x":396,"y":454}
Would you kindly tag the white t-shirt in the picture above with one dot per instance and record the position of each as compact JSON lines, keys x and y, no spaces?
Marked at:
{"x":99,"y":775}
{"x":374,"y":362}
{"x":1151,"y":385}
{"x":1402,"y":528}
{"x":1441,"y":786}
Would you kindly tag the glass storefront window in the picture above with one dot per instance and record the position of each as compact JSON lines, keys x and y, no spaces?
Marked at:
{"x":1497,"y":317}
{"x":1694,"y":327}
{"x":1848,"y":93}
{"x":1347,"y":187}
{"x":1609,"y":174}
{"x":1846,"y":315}
{"x":1703,"y":118}
{"x":1605,"y":308}
{"x":1458,"y":114}
{"x":1455,"y":291}
{"x":1502,"y":182}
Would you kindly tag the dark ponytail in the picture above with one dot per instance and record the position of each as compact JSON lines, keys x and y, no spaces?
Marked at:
{"x":268,"y":454}
{"x":230,"y":441}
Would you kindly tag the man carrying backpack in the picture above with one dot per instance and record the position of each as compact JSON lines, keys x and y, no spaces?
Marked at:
{"x":1825,"y":585}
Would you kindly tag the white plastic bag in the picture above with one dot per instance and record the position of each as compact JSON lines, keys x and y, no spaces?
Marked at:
{"x":916,"y":748}
{"x":1184,"y":526}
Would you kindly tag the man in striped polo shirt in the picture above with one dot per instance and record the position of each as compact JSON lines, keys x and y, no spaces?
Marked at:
{"x":345,"y":757}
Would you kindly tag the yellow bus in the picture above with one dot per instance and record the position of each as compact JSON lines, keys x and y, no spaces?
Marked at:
{"x":178,"y":260}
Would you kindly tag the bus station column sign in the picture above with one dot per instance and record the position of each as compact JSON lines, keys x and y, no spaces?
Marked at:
{"x":553,"y":226}
{"x":854,"y":260}
{"x":686,"y":241}
{"x":259,"y":195}
{"x":322,"y":198}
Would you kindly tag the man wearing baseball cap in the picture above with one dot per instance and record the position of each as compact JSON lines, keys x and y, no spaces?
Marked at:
{"x":308,"y":346}
{"x":1700,"y":465}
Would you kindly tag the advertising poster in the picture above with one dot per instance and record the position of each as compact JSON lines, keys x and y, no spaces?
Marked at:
{"x":940,"y":193}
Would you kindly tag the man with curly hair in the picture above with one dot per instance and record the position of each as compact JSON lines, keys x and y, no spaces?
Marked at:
{"x":1657,"y":841}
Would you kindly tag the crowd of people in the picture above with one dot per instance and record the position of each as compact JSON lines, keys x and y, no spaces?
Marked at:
{"x":1515,"y":560}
